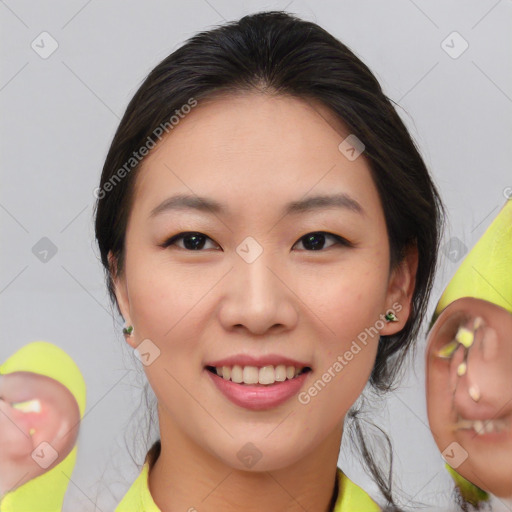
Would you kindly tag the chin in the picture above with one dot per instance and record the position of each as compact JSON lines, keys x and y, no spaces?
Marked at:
{"x":259,"y":456}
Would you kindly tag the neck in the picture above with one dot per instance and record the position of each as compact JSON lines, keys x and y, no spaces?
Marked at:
{"x":186,"y":477}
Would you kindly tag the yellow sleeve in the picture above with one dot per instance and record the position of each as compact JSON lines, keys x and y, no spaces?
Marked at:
{"x":138,"y":498}
{"x":46,"y":492}
{"x":351,"y":498}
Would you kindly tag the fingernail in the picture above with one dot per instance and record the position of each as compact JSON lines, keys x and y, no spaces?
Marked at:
{"x":478,"y":322}
{"x":28,"y":406}
{"x":447,"y":351}
{"x":465,"y":337}
{"x":474,"y":393}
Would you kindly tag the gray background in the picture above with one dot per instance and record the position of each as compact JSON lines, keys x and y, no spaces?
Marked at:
{"x":59,"y":115}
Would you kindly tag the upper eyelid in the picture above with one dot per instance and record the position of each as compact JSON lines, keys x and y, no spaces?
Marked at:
{"x":179,"y":236}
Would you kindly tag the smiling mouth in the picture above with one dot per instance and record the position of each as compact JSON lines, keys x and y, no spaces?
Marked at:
{"x":264,"y":375}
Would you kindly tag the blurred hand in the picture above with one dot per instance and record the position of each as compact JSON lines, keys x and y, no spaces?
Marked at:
{"x":469,"y":391}
{"x":34,"y":409}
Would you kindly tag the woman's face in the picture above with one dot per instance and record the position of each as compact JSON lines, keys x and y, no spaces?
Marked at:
{"x":471,"y":405}
{"x":249,"y":292}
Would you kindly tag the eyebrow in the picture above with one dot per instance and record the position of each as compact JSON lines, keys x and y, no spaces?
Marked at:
{"x":183,"y":202}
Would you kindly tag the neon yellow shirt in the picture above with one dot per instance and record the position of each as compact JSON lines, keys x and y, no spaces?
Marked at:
{"x":351,"y":498}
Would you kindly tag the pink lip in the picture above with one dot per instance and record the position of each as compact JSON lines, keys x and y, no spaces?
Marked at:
{"x":247,"y":360}
{"x":258,"y":397}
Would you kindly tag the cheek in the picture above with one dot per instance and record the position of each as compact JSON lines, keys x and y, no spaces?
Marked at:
{"x":338,"y":382}
{"x":348,"y":308}
{"x":349,"y":302}
{"x":168,"y":308}
{"x":164,"y":297}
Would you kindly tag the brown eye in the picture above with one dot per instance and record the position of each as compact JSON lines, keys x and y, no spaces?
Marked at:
{"x":316,"y":241}
{"x":192,"y":241}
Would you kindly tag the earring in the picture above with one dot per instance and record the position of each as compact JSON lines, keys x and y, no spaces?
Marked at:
{"x":390,"y":317}
{"x":127,"y":331}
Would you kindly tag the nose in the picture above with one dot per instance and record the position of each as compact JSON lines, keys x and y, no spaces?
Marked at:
{"x":258,"y":298}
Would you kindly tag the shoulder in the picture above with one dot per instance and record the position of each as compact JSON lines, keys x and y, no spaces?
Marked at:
{"x":351,"y":497}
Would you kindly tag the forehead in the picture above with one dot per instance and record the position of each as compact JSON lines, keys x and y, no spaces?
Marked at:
{"x":254,"y":147}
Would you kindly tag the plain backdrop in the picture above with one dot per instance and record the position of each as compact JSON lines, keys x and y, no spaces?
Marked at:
{"x":59,"y":114}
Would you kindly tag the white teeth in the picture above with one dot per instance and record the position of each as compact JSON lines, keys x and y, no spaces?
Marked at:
{"x":280,"y":373}
{"x":237,"y":374}
{"x":266,"y":375}
{"x":251,"y":375}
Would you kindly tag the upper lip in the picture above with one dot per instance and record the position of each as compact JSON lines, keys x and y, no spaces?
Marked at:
{"x":259,"y":361}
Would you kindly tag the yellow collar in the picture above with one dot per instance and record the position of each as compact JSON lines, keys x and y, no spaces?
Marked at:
{"x":351,"y":497}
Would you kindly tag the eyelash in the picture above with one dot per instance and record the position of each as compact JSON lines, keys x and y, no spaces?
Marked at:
{"x":172,"y":240}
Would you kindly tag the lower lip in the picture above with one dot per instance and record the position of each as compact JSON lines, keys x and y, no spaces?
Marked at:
{"x":258,"y":397}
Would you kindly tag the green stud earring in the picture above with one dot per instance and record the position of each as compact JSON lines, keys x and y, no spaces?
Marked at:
{"x":127,"y":331}
{"x":390,"y":317}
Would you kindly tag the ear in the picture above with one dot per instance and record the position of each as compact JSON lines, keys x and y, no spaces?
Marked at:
{"x":120,"y":289}
{"x":39,"y":423}
{"x":400,"y":291}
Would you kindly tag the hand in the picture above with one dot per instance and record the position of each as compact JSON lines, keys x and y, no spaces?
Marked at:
{"x":34,"y":409}
{"x":469,"y":392}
